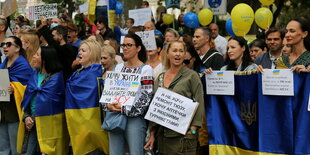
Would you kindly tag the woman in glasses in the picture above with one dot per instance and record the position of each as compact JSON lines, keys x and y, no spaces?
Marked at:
{"x":184,"y":81}
{"x":43,"y":105}
{"x":134,"y":134}
{"x":19,"y":73}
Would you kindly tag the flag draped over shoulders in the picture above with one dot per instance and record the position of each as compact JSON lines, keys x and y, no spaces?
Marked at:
{"x":83,"y":113}
{"x":252,"y":123}
{"x":49,"y":113}
{"x":19,"y":74}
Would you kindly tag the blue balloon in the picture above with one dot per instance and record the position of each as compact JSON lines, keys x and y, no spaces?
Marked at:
{"x":112,"y":4}
{"x":229,"y":28}
{"x":119,"y":7}
{"x":191,"y":20}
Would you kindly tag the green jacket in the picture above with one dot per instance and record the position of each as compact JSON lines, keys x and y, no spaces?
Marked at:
{"x":187,"y":83}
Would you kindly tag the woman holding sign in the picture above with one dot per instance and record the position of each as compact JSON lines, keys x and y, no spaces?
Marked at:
{"x":19,"y":73}
{"x":186,"y":82}
{"x":298,"y":37}
{"x":135,"y":130}
{"x":239,"y":58}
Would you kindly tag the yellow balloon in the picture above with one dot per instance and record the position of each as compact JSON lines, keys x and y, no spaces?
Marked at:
{"x":240,"y":31}
{"x":205,"y":16}
{"x":266,"y":2}
{"x":168,"y":19}
{"x":263,"y":17}
{"x":242,"y":15}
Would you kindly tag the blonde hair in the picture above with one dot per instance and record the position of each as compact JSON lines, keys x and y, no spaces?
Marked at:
{"x":98,"y":37}
{"x":94,"y":50}
{"x":34,"y":44}
{"x":108,"y":49}
{"x":165,"y":59}
{"x":173,"y":31}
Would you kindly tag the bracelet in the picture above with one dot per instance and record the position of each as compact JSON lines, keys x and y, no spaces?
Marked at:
{"x":193,"y":131}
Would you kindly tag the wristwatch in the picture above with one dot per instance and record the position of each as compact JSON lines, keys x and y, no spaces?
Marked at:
{"x":193,"y":131}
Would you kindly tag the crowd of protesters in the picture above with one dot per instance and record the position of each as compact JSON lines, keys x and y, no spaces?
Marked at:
{"x":61,"y":56}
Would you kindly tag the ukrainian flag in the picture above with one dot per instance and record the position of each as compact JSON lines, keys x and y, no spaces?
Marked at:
{"x":83,"y":113}
{"x":19,"y":73}
{"x":220,"y":74}
{"x":50,"y":122}
{"x":255,"y":124}
{"x":134,"y":84}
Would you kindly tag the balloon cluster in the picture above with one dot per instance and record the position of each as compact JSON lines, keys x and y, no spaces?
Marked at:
{"x":242,"y":18}
{"x":119,"y":7}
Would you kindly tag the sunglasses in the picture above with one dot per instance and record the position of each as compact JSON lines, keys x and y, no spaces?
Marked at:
{"x":187,"y":61}
{"x":7,"y":44}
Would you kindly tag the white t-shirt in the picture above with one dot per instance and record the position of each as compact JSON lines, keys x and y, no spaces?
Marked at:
{"x":221,"y":44}
{"x":102,"y":2}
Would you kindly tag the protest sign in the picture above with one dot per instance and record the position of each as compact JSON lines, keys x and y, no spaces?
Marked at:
{"x":84,"y":7}
{"x":46,"y":11}
{"x":148,"y":39}
{"x":278,"y":82}
{"x":9,"y":7}
{"x":120,"y":88}
{"x":140,"y":16}
{"x":4,"y":84}
{"x":171,"y":110}
{"x":220,"y":83}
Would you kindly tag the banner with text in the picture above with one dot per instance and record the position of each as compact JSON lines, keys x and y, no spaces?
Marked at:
{"x":140,"y":16}
{"x":120,"y":88}
{"x":46,"y":11}
{"x":4,"y":84}
{"x":171,"y":110}
{"x":148,"y":39}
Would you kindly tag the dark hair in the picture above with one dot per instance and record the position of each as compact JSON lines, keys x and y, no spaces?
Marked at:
{"x":102,"y":20}
{"x":61,"y":30}
{"x":198,"y":63}
{"x":132,"y":20}
{"x":273,"y":29}
{"x":246,"y":58}
{"x":187,"y":39}
{"x":145,"y":3}
{"x":304,"y":26}
{"x":159,"y":43}
{"x":142,"y":53}
{"x":258,"y":43}
{"x":50,"y":60}
{"x":19,"y":43}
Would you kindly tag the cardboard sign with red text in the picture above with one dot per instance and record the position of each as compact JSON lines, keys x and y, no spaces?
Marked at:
{"x":120,"y":88}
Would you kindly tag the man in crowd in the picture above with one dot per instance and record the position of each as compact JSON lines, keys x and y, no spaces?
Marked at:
{"x":149,"y":26}
{"x":274,"y":39}
{"x":220,"y":42}
{"x":209,"y":56}
{"x":103,"y":28}
{"x":129,"y":24}
{"x":73,"y":35}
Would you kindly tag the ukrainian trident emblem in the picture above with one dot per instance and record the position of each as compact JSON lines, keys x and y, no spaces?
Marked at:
{"x":248,"y":112}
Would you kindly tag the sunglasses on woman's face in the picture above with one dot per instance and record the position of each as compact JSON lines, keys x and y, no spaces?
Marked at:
{"x":187,"y":61}
{"x":7,"y":44}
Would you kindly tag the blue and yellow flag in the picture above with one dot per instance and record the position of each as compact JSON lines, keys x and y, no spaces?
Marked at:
{"x":83,"y":113}
{"x":50,"y":122}
{"x":252,"y":123}
{"x":19,"y":73}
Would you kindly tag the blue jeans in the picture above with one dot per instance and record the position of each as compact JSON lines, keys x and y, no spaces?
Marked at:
{"x":134,"y":134}
{"x":8,"y":138}
{"x":33,"y":145}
